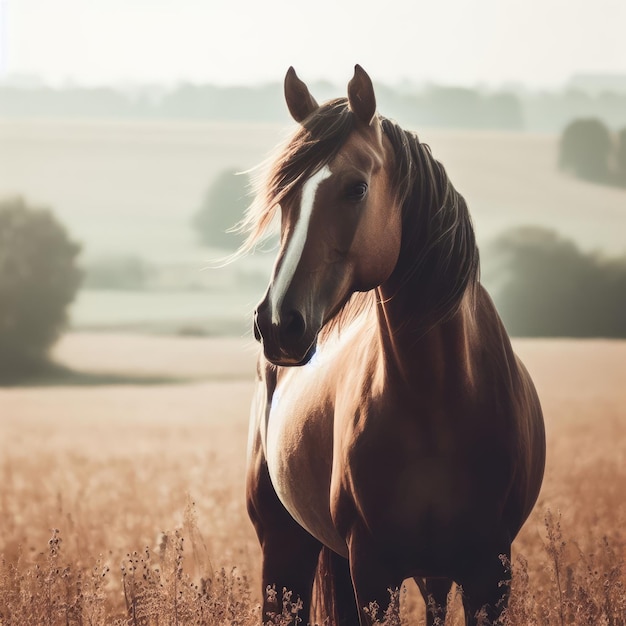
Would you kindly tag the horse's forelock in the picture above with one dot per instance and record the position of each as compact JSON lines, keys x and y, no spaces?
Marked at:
{"x":314,"y":144}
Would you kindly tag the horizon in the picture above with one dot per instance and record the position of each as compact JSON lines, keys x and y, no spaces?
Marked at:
{"x":33,"y":80}
{"x":483,"y":44}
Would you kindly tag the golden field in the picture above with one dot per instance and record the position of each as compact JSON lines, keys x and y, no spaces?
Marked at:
{"x":122,"y":488}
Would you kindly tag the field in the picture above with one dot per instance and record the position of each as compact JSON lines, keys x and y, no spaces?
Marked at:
{"x":122,"y":488}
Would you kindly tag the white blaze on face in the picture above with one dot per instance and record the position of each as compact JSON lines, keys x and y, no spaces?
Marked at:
{"x":296,"y":243}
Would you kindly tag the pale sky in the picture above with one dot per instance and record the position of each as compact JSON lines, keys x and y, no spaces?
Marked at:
{"x":540,"y":43}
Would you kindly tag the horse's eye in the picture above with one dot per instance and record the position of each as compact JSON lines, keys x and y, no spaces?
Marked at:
{"x":357,"y":192}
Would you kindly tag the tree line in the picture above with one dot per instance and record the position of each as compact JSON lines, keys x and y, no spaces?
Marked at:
{"x":431,"y":106}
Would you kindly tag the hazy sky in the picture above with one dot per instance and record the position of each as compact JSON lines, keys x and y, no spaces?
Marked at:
{"x":536,"y":42}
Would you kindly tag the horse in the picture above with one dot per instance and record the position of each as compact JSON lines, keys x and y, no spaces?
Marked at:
{"x":394,"y":434}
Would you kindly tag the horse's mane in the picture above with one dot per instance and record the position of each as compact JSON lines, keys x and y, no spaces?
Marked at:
{"x":438,"y":253}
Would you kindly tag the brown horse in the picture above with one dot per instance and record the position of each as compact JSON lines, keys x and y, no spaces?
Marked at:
{"x":408,"y":441}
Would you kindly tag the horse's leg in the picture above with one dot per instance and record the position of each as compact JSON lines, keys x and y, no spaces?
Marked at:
{"x":486,"y":590}
{"x":372,"y":578}
{"x":289,"y":561}
{"x":290,"y":553}
{"x":435,"y":593}
{"x":345,"y":606}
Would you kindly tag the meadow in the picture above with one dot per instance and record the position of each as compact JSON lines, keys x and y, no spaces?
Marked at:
{"x":123,"y":488}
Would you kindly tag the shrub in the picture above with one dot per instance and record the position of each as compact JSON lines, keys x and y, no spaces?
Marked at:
{"x":585,"y":149}
{"x":223,"y":207}
{"x":548,"y":287}
{"x":38,"y":280}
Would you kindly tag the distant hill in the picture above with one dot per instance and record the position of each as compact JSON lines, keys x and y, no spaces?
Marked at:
{"x":433,"y":106}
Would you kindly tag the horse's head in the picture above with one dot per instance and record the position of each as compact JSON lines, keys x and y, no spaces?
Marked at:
{"x":340,"y":217}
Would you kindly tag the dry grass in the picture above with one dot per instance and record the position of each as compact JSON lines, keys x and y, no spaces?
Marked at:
{"x":145,"y":487}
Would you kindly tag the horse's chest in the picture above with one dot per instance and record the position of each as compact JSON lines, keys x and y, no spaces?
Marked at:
{"x":299,"y":455}
{"x":415,"y":485}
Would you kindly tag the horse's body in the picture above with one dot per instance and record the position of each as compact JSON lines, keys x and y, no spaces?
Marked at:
{"x":409,"y":442}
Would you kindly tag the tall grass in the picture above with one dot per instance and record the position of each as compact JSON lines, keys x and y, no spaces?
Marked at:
{"x":168,"y":585}
{"x":90,"y":478}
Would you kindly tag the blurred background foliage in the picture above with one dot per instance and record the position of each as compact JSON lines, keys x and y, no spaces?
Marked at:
{"x":591,"y":152}
{"x":547,"y":287}
{"x":222,"y":208}
{"x":39,"y":278}
{"x":124,"y":272}
{"x":508,"y":108}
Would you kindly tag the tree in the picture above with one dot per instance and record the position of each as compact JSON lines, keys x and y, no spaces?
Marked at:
{"x":223,"y":207}
{"x":585,"y":148}
{"x":38,"y":280}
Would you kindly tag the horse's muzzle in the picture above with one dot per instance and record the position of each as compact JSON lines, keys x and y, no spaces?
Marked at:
{"x":287,"y":340}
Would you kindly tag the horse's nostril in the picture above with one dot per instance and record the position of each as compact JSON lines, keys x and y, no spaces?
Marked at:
{"x":293,"y":326}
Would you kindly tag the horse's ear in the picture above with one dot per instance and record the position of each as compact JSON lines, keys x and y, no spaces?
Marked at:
{"x":299,"y":101}
{"x":361,"y":96}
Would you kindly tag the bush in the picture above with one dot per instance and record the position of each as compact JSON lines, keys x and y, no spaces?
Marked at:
{"x":38,"y":280}
{"x":585,"y":149}
{"x":223,"y":207}
{"x":550,"y":288}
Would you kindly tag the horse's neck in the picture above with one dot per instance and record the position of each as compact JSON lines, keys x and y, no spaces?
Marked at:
{"x":419,"y":351}
{"x":426,"y":309}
